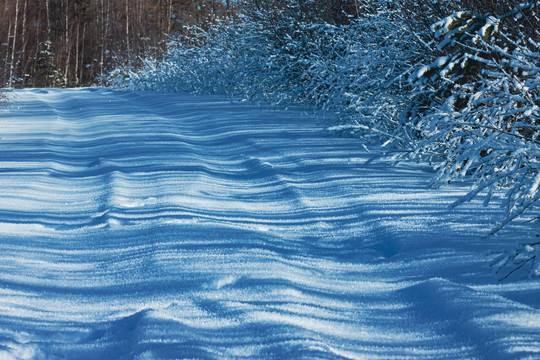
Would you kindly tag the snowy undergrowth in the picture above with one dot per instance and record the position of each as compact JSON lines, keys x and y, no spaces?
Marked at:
{"x":281,"y":56}
{"x":477,"y":113}
{"x":470,"y":105}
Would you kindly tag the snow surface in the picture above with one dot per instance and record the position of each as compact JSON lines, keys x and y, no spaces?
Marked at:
{"x":141,"y":225}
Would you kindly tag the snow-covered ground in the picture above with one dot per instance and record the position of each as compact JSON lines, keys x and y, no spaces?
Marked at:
{"x":161,"y":226}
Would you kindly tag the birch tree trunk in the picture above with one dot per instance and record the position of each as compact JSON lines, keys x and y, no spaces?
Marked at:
{"x":127,"y":30}
{"x":82,"y":52}
{"x":77,"y":41}
{"x":169,"y":17}
{"x":12,"y":65}
{"x":48,"y":15}
{"x":67,"y":44}
{"x":22,"y":57}
{"x":6,"y":61}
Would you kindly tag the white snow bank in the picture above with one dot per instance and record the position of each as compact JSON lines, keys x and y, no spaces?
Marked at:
{"x":144,"y":225}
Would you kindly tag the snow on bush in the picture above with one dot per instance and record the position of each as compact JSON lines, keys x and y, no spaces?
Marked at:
{"x":473,"y":110}
{"x":281,"y":56}
{"x":479,"y":114}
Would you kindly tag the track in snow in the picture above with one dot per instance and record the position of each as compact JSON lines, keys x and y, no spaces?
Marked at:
{"x":159,"y":226}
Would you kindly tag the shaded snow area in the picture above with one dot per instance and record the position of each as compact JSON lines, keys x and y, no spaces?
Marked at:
{"x":161,"y":226}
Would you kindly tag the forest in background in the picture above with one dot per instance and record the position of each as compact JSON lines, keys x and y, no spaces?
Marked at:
{"x":64,"y":43}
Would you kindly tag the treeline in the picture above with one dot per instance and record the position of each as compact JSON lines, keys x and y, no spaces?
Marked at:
{"x":46,"y":43}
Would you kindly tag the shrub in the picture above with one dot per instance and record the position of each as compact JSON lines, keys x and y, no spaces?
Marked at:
{"x":472,"y":110}
{"x":477,"y":111}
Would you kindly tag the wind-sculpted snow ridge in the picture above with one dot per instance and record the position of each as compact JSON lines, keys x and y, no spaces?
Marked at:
{"x":162,"y":226}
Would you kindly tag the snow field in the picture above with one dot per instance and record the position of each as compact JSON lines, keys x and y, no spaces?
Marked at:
{"x":141,"y":225}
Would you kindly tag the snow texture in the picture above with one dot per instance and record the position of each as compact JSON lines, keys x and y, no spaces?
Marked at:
{"x":138,"y":225}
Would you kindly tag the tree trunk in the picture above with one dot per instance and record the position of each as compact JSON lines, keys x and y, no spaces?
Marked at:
{"x":127,"y":30}
{"x":169,"y":17}
{"x":12,"y":65}
{"x":82,"y":52}
{"x":6,"y":61}
{"x":47,"y":12}
{"x":67,"y":45}
{"x":76,"y":72}
{"x":22,"y":57}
